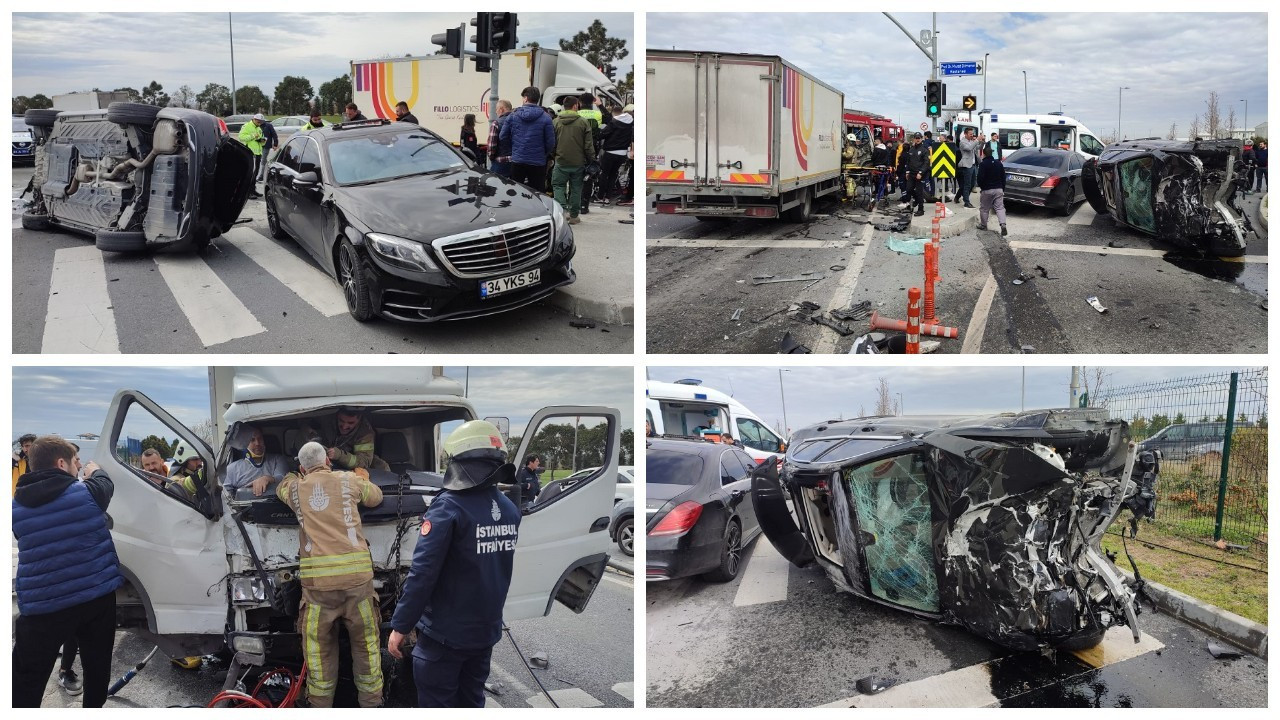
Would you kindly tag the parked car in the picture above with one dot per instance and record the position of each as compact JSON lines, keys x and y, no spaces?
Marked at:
{"x":24,"y":143}
{"x":1190,"y":441}
{"x":1184,"y":193}
{"x":410,"y":228}
{"x":137,"y":177}
{"x":992,"y":523}
{"x":698,"y":513}
{"x":621,"y":525}
{"x":235,"y":122}
{"x":220,"y":570}
{"x":1046,"y":177}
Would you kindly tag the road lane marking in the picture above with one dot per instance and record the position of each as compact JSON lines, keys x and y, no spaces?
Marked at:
{"x":79,"y":317}
{"x":843,"y":294}
{"x":765,"y":578}
{"x":978,"y":322}
{"x":213,"y":311}
{"x":305,"y":280}
{"x":626,"y":690}
{"x":566,"y":698}
{"x":515,"y":688}
{"x":1138,"y":252}
{"x":1083,"y":215}
{"x":617,"y":581}
{"x":748,"y":243}
{"x":970,"y":687}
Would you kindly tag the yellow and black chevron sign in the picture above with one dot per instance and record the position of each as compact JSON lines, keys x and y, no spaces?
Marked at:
{"x":943,"y":162}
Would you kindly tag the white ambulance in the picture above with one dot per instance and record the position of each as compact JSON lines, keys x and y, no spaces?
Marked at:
{"x":1019,"y":130}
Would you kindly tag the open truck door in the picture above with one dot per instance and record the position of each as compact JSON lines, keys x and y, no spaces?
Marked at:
{"x":561,"y":551}
{"x":170,"y":542}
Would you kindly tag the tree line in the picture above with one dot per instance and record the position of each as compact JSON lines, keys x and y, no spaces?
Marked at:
{"x":555,"y":444}
{"x":293,"y":95}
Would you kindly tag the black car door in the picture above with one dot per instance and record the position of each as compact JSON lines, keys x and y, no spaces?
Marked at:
{"x":309,"y":197}
{"x":738,"y":465}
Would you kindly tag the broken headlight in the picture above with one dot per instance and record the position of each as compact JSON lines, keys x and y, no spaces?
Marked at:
{"x":247,"y":591}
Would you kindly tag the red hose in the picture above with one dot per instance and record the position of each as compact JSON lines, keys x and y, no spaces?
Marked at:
{"x":252,"y":699}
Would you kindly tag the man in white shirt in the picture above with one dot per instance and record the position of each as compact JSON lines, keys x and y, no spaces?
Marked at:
{"x":256,"y":469}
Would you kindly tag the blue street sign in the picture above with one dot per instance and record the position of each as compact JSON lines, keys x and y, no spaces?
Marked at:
{"x":967,"y":67}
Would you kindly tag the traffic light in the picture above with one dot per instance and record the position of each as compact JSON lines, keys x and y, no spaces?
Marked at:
{"x":933,"y":98}
{"x":450,"y":40}
{"x":502,"y":31}
{"x":610,"y":71}
{"x":482,"y":39}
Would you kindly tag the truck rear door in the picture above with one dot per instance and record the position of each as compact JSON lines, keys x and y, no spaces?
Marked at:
{"x":739,"y":121}
{"x":562,"y":547}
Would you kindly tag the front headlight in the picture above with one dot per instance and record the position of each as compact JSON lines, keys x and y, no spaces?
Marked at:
{"x":558,"y":221}
{"x":402,"y":253}
{"x":247,"y":590}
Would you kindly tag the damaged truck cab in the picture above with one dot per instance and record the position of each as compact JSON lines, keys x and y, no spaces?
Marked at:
{"x":989,"y":523}
{"x":221,"y":569}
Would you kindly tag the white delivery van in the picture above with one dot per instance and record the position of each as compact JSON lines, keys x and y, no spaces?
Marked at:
{"x":1046,"y":130}
{"x":739,"y":135}
{"x":683,"y":407}
{"x":440,"y":96}
{"x":221,"y":569}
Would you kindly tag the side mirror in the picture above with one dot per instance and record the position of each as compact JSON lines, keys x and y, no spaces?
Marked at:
{"x":311,"y":178}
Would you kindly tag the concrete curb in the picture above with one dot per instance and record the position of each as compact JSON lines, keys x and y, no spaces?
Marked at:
{"x":605,"y":311}
{"x":1241,"y":632}
{"x":620,"y":568}
{"x":1262,"y":212}
{"x":959,"y":222}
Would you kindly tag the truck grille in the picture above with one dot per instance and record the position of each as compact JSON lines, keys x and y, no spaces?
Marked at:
{"x":492,"y":251}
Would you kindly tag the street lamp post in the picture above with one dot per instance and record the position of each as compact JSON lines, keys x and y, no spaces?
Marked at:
{"x":1246,"y":120}
{"x":986,"y":68}
{"x":785,"y":427}
{"x":1119,"y":112}
{"x":232,"y":37}
{"x":1026,"y":102}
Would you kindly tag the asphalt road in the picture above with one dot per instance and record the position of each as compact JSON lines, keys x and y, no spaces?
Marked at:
{"x":1157,"y":299}
{"x":590,"y":661}
{"x":780,"y":636}
{"x":249,"y":293}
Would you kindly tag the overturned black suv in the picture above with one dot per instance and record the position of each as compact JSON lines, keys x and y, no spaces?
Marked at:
{"x":137,"y":177}
{"x":991,"y":523}
{"x":1183,"y":193}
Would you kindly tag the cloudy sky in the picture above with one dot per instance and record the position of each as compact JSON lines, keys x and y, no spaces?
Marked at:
{"x":817,"y":394}
{"x":73,"y":400}
{"x":65,"y":52}
{"x":1169,"y":61}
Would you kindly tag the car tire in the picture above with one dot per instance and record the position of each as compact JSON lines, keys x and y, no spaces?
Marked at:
{"x":35,"y":222}
{"x":1093,"y":191}
{"x":803,"y":212}
{"x":626,"y":537}
{"x":40,"y":118}
{"x":273,"y":221}
{"x":127,"y":113}
{"x":354,"y":287}
{"x":1083,"y":641}
{"x":121,"y":241}
{"x":730,"y":555}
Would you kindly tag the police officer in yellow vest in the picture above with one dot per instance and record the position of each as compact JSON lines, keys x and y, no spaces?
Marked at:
{"x":336,"y":573}
{"x":252,"y":136}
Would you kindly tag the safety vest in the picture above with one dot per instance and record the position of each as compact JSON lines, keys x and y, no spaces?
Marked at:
{"x":332,"y":551}
{"x":252,"y":136}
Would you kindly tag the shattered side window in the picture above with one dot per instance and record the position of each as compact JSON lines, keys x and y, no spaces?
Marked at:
{"x":891,"y":499}
{"x":1136,"y":189}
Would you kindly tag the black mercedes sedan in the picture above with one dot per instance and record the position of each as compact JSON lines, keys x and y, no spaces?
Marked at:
{"x":137,"y":177}
{"x":1045,"y":177}
{"x":990,"y":522}
{"x":413,"y":229}
{"x":699,"y":509}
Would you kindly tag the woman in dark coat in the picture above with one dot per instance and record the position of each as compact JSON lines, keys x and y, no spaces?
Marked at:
{"x":469,"y":134}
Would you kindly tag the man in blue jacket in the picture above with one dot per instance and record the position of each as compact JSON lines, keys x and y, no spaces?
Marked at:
{"x":532,"y":139}
{"x":461,"y":572}
{"x":68,"y":572}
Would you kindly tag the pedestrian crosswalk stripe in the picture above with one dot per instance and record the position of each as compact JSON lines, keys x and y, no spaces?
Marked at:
{"x":79,"y":316}
{"x":744,"y":243}
{"x":1108,"y":250}
{"x":971,"y":687}
{"x":764,"y":579}
{"x":213,"y":311}
{"x":566,"y":698}
{"x":305,"y":280}
{"x":626,"y":690}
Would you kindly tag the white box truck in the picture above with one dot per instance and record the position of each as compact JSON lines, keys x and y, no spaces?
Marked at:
{"x":439,"y":96}
{"x":1019,"y":130}
{"x":738,"y":135}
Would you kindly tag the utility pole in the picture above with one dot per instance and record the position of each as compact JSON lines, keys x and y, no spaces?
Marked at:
{"x":928,"y":44}
{"x":986,"y":68}
{"x":1026,"y":101}
{"x":1119,"y":111}
{"x":232,"y":36}
{"x":785,"y":428}
{"x":1075,"y":386}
